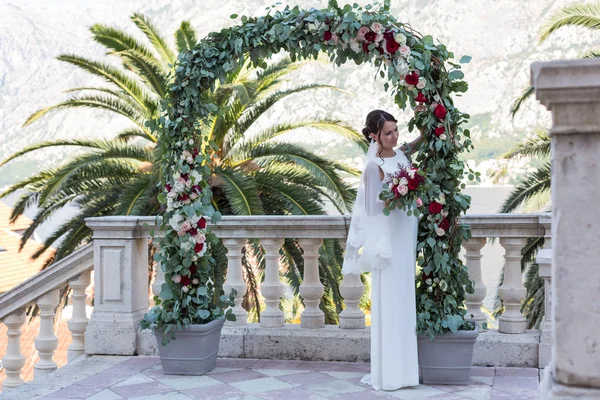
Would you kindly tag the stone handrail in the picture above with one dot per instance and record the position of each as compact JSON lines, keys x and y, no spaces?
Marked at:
{"x":43,"y":290}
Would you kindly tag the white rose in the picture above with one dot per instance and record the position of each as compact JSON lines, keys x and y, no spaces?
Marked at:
{"x":430,"y":289}
{"x":376,"y":27}
{"x":185,"y":289}
{"x":443,"y":136}
{"x":441,"y":198}
{"x":428,"y":281}
{"x":402,"y":67}
{"x":186,"y":154}
{"x":175,"y":221}
{"x":400,"y":38}
{"x":429,"y":218}
{"x":196,"y":176}
{"x":404,"y":181}
{"x":402,"y":189}
{"x":194,"y":258}
{"x":191,"y":142}
{"x":186,"y":246}
{"x":176,"y":278}
{"x":404,"y":50}
{"x":440,"y":232}
{"x":178,"y":187}
{"x":420,"y":85}
{"x":355,"y":45}
{"x":443,"y":285}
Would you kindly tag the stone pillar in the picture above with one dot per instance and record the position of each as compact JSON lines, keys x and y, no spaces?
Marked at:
{"x":352,"y":290}
{"x":571,"y":91}
{"x":311,"y":288}
{"x":235,"y":279}
{"x":46,"y":341}
{"x":120,"y":285}
{"x":78,"y":322}
{"x":473,"y":256}
{"x":14,"y":360}
{"x":512,"y":292}
{"x":271,"y":288}
{"x":544,"y":261}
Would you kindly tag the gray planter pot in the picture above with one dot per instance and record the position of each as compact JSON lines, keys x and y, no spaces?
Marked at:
{"x":448,"y":358}
{"x":194,"y":351}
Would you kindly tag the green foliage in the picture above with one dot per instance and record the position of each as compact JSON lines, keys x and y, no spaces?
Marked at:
{"x":184,"y":127}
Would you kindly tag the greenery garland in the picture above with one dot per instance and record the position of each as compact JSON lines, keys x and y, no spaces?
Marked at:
{"x":415,"y":70}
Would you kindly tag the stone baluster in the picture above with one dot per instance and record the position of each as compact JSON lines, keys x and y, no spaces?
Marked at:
{"x":14,"y":360}
{"x":352,"y":290}
{"x":544,"y":261}
{"x":512,"y":292}
{"x":235,"y":278}
{"x":46,"y":342}
{"x":271,"y":288}
{"x":473,"y":256}
{"x":311,"y":288}
{"x":78,"y":322}
{"x":571,"y":91}
{"x":159,"y":275}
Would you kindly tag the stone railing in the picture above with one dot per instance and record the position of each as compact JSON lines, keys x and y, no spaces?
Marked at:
{"x":120,"y":263}
{"x":43,"y":290}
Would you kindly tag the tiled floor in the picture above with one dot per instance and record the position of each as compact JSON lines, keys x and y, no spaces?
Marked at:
{"x":108,"y":378}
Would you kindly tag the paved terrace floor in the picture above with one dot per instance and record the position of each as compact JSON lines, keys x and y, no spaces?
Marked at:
{"x":113,"y":377}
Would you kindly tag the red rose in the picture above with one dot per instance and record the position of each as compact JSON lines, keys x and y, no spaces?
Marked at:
{"x":439,"y":130}
{"x":193,"y":270}
{"x":379,"y":49}
{"x":168,"y":187}
{"x":426,"y":276}
{"x":198,"y":247}
{"x":389,"y":36}
{"x":366,"y":47}
{"x":202,"y":223}
{"x":445,"y":224}
{"x":412,"y":79}
{"x":195,"y":152}
{"x":413,"y":184}
{"x":370,"y":37}
{"x":183,"y":197}
{"x":435,"y":207}
{"x":197,"y":189}
{"x":420,"y":98}
{"x":440,"y":111}
{"x":391,"y":46}
{"x":185,"y":280}
{"x":193,"y":231}
{"x":185,"y":176}
{"x":327,"y":35}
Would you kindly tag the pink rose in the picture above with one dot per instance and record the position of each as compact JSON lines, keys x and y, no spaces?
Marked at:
{"x":335,"y":38}
{"x":419,"y":202}
{"x":193,"y":196}
{"x":404,"y":51}
{"x":376,"y":27}
{"x":200,"y":237}
{"x":402,"y":189}
{"x":362,"y":31}
{"x":186,"y":226}
{"x":181,"y":233}
{"x":176,"y":278}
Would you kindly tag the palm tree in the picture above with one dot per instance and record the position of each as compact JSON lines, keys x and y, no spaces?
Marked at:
{"x":252,"y":174}
{"x":534,"y":190}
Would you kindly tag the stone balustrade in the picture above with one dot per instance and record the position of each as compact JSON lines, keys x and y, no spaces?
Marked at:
{"x":120,"y":261}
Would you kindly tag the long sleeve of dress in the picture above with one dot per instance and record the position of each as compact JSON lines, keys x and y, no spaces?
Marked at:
{"x":372,"y":181}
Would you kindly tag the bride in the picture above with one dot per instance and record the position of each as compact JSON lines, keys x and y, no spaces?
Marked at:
{"x":386,"y":246}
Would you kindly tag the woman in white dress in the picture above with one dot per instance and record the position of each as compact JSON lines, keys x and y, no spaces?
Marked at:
{"x":386,"y":246}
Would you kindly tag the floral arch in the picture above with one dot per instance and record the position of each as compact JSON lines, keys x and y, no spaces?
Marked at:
{"x":416,"y":72}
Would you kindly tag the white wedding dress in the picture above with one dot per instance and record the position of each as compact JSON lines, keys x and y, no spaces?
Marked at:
{"x":388,"y":250}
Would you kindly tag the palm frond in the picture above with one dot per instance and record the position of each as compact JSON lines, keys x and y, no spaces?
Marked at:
{"x":595,"y":53}
{"x":131,"y":133}
{"x":537,"y":146}
{"x":516,"y":105}
{"x":113,"y":75}
{"x":149,"y":71}
{"x":137,"y":195}
{"x":154,"y":37}
{"x":185,"y":37}
{"x":240,"y":190}
{"x":583,"y":15}
{"x":533,"y":184}
{"x":93,"y":144}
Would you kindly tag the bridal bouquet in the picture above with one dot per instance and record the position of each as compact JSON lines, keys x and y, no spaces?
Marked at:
{"x":401,"y":189}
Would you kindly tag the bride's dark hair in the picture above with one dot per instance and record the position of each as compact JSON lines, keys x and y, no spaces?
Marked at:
{"x":374,"y":124}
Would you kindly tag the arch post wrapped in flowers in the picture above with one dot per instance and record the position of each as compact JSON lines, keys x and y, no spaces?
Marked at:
{"x":417,"y":72}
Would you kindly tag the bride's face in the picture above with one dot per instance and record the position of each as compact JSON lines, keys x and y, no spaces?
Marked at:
{"x":388,"y":137}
